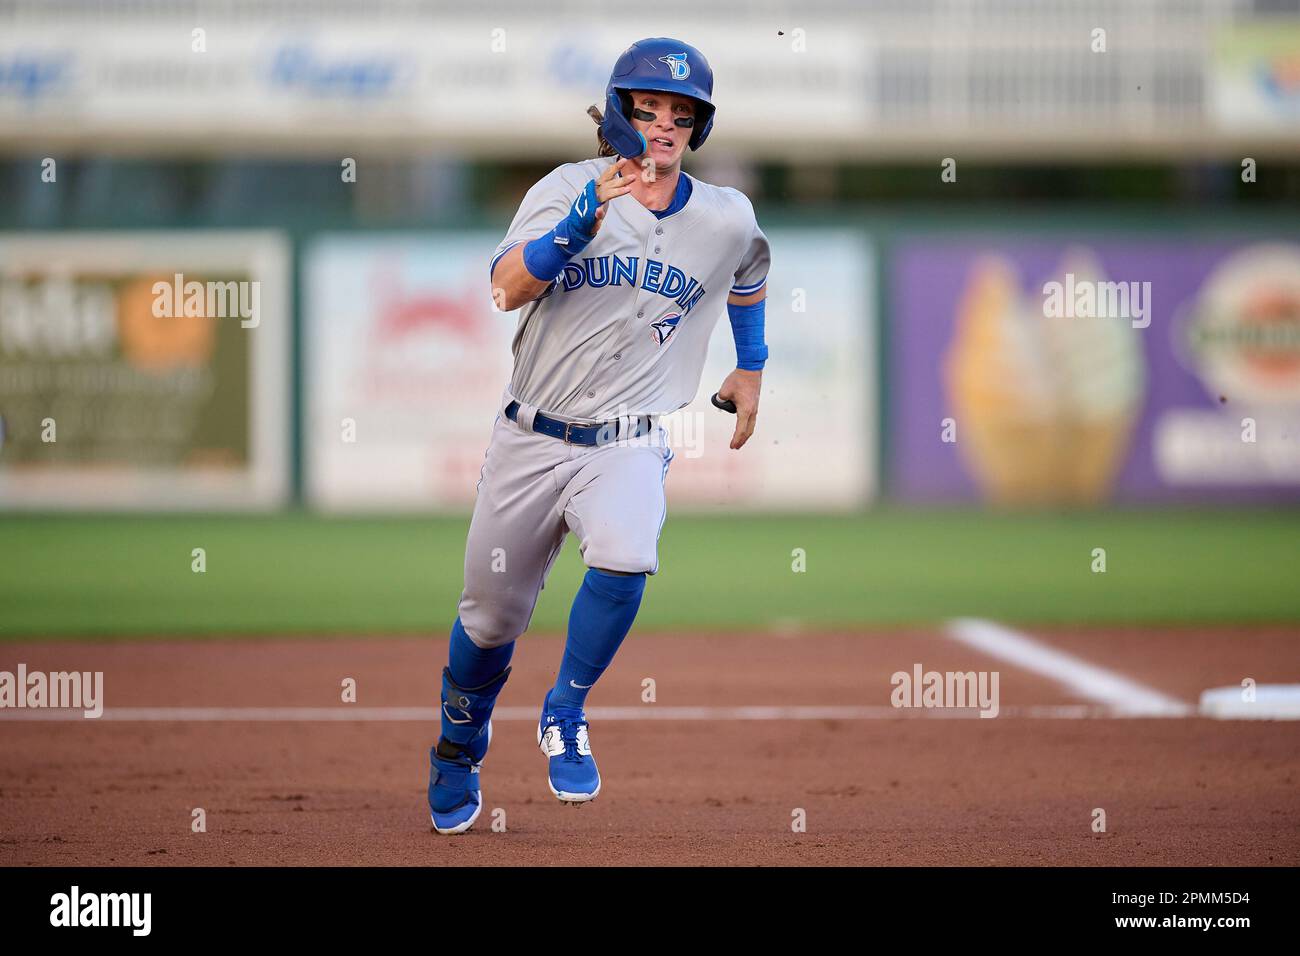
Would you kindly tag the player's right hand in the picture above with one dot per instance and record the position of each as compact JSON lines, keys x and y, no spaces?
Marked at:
{"x":615,"y":181}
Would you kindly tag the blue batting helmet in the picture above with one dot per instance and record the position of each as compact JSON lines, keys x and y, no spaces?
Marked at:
{"x":663,"y":65}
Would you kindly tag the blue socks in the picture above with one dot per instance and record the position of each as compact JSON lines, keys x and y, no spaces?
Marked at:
{"x":470,"y":665}
{"x":602,"y":615}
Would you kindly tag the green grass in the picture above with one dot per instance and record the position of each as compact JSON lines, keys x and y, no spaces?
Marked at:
{"x":300,"y":574}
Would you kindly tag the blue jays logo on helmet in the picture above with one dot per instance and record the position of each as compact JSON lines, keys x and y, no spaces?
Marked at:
{"x":677,"y":65}
{"x":665,"y":327}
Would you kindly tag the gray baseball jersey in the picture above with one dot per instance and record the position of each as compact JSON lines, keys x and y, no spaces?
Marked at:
{"x":625,"y":327}
{"x":622,"y":331}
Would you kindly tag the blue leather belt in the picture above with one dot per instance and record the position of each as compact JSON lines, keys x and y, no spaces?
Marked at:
{"x":584,"y":433}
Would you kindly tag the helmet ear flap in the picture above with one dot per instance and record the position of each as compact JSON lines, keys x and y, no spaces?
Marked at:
{"x":627,"y":141}
{"x":703,"y":126}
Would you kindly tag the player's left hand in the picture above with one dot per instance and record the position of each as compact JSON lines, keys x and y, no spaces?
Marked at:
{"x":742,"y":387}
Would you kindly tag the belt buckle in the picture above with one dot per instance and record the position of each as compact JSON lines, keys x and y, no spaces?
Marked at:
{"x":568,"y":425}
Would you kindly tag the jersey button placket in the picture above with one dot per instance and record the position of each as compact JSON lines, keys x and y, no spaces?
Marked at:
{"x":643,"y":294}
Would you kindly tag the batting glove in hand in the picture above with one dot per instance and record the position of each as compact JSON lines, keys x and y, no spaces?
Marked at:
{"x":578,"y":228}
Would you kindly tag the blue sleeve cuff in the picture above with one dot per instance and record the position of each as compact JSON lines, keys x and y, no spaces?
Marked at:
{"x":749,"y":288}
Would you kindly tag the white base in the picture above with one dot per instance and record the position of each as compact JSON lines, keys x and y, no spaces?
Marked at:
{"x":1272,"y":702}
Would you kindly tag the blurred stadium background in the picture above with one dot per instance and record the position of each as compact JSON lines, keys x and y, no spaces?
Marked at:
{"x":933,"y":443}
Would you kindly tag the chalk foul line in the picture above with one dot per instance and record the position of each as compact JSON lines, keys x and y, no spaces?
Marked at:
{"x":1108,"y":695}
{"x":1121,"y":695}
{"x":350,"y":712}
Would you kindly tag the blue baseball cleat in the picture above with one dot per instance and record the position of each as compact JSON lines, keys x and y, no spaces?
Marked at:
{"x":455,"y":762}
{"x":562,"y":736}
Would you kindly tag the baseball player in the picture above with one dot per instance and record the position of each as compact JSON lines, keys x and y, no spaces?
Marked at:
{"x":620,"y":267}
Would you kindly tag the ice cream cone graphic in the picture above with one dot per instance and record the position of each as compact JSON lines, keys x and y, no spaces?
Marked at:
{"x":1045,"y":406}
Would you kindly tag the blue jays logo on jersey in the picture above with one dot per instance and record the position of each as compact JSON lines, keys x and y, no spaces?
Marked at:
{"x":677,"y":65}
{"x":665,"y":327}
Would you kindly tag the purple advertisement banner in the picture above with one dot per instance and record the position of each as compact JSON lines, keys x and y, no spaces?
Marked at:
{"x":1086,"y":371}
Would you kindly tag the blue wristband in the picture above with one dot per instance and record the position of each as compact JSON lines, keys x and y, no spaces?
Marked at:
{"x":546,"y":256}
{"x":747,"y":329}
{"x":545,"y":259}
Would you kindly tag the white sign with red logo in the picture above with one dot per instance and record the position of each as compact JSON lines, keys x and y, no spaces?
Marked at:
{"x":405,"y":359}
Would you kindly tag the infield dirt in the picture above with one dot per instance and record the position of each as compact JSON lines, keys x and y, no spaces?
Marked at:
{"x":889,"y":787}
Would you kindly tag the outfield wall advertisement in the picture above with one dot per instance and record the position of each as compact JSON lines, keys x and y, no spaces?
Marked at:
{"x":405,"y":360}
{"x":144,"y":370}
{"x":450,"y":80}
{"x":1091,"y":371}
